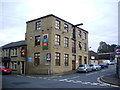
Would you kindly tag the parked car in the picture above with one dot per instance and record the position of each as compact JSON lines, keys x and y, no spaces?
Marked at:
{"x":103,"y":65}
{"x":84,"y":68}
{"x":112,"y":63}
{"x":95,"y":67}
{"x":5,"y":70}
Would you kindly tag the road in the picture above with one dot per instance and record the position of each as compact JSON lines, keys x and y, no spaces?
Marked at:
{"x":76,"y":80}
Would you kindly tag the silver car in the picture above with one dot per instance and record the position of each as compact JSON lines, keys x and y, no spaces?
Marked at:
{"x":84,"y":68}
{"x":95,"y":67}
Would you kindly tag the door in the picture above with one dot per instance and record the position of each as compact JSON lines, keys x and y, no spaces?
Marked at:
{"x":73,"y":65}
{"x":73,"y":62}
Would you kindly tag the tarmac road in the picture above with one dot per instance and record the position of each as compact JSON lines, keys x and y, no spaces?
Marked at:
{"x":75,"y":80}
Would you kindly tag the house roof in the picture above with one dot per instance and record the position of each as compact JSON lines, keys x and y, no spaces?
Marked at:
{"x":15,"y":44}
{"x":57,"y":18}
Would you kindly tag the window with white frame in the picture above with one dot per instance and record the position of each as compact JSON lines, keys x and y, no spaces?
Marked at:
{"x":38,"y":25}
{"x":66,"y":42}
{"x":65,"y":28}
{"x":57,"y":24}
{"x":14,"y":65}
{"x":14,"y":52}
{"x":57,"y":39}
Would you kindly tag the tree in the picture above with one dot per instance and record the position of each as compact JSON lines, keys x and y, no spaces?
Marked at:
{"x":106,"y":48}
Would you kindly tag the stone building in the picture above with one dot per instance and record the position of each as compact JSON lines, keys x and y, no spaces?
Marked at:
{"x":14,"y":56}
{"x":54,"y":45}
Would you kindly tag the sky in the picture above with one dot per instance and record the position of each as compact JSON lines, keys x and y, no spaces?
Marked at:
{"x":99,"y":18}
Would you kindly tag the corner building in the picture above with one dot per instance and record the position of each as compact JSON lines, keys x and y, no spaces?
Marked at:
{"x":54,"y":46}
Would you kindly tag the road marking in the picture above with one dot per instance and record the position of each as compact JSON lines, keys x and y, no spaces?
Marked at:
{"x":103,"y":83}
{"x":81,"y":82}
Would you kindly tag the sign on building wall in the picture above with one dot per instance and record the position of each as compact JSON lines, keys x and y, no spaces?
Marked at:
{"x":49,"y":56}
{"x":29,"y":59}
{"x":45,"y":41}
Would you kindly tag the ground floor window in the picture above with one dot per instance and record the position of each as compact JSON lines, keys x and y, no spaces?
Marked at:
{"x":80,"y":59}
{"x":57,"y":59}
{"x":85,"y":60}
{"x":37,"y":58}
{"x":14,"y":65}
{"x":66,"y":59}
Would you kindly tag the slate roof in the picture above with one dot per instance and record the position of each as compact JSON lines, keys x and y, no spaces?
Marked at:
{"x":15,"y":44}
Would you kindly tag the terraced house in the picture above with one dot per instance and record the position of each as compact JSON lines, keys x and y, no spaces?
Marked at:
{"x":54,"y":46}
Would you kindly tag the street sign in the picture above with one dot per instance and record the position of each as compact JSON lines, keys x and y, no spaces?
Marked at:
{"x":117,"y":51}
{"x":48,"y":56}
{"x":29,"y":59}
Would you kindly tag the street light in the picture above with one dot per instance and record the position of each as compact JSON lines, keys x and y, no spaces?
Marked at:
{"x":78,"y":24}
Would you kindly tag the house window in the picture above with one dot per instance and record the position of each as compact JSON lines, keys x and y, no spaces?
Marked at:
{"x":37,"y":40}
{"x":14,"y":52}
{"x":85,"y":60}
{"x":66,"y":59}
{"x":36,"y":59}
{"x":57,"y":59}
{"x":73,"y":46}
{"x":66,"y":42}
{"x":57,"y":39}
{"x":85,"y":35}
{"x":80,"y":59}
{"x":38,"y":25}
{"x":79,"y":33}
{"x":57,"y":24}
{"x":85,"y":46}
{"x":65,"y":28}
{"x":14,"y":65}
{"x":80,"y":45}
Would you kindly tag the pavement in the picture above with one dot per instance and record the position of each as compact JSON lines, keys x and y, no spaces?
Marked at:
{"x":111,"y":79}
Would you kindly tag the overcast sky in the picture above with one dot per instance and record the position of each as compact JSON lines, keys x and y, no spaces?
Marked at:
{"x":100,"y":18}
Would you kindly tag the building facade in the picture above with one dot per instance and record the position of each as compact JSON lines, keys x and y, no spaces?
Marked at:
{"x":54,"y":46}
{"x":14,"y":56}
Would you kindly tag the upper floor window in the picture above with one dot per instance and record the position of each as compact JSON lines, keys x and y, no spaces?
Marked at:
{"x":66,"y":42}
{"x":65,"y":28}
{"x":85,"y":35}
{"x":57,"y":39}
{"x":80,"y":45}
{"x":85,"y":46}
{"x":79,"y":33}
{"x":14,"y":52}
{"x":37,"y":40}
{"x":57,"y":24}
{"x":38,"y":25}
{"x":57,"y":59}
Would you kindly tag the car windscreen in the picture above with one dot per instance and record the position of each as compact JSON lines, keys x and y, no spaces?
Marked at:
{"x":91,"y":65}
{"x":81,"y":65}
